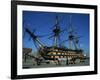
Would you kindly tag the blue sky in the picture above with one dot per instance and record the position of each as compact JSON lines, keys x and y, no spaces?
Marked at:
{"x":43,"y":22}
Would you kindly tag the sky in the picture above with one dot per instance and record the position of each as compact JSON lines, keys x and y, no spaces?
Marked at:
{"x":43,"y":23}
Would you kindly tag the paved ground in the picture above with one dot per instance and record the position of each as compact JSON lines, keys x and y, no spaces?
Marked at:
{"x":29,"y":64}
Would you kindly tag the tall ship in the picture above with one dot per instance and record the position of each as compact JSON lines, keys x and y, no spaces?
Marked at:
{"x":58,"y":51}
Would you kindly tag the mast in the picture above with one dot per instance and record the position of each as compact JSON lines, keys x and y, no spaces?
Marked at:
{"x":56,"y":31}
{"x":72,"y":38}
{"x":70,"y":33}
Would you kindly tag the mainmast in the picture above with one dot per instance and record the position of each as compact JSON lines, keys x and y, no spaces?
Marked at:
{"x":73,"y":38}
